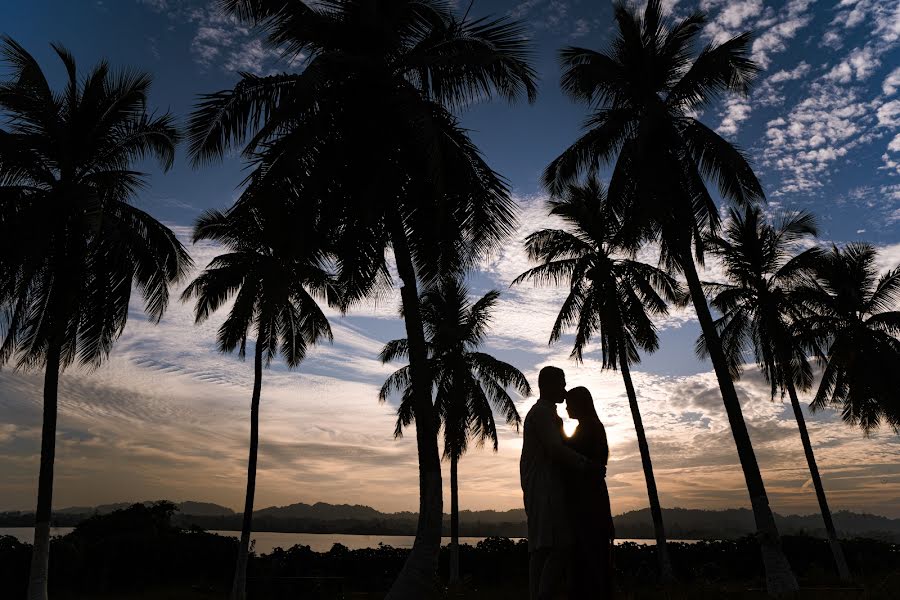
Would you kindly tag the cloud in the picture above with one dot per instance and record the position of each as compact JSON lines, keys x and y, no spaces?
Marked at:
{"x":818,"y":131}
{"x":222,"y":41}
{"x":167,"y":417}
{"x":732,"y":18}
{"x":883,"y":202}
{"x":891,"y":82}
{"x":889,"y":163}
{"x":797,"y":72}
{"x":737,"y":110}
{"x":770,"y":92}
{"x":582,"y":28}
{"x":779,"y":28}
{"x":859,"y":65}
{"x":157,"y":5}
{"x":883,"y":15}
{"x":774,"y":28}
{"x":889,"y":114}
{"x":837,"y":115}
{"x":894,"y":146}
{"x":552,"y":15}
{"x":7,"y":432}
{"x":522,"y":9}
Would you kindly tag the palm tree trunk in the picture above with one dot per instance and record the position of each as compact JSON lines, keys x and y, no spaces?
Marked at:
{"x":239,"y":585}
{"x":780,"y":578}
{"x":666,"y":575}
{"x":454,"y":521}
{"x":40,"y":555}
{"x":416,"y":579}
{"x":836,"y":550}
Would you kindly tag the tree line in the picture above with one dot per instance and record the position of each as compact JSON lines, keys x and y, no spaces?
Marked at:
{"x":358,"y":163}
{"x":142,"y":551}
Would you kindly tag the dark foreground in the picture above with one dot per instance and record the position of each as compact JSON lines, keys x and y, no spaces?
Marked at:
{"x":137,"y":554}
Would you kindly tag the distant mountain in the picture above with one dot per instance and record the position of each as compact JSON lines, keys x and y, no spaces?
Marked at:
{"x":206,"y":509}
{"x":319,"y":510}
{"x":681,"y":523}
{"x":89,"y":510}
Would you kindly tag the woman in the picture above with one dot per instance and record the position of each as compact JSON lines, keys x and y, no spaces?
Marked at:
{"x":588,"y":499}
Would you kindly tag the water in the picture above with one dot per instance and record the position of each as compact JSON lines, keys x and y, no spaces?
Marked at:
{"x":266,"y":541}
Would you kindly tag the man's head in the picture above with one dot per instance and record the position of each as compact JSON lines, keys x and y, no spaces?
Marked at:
{"x":552,"y":384}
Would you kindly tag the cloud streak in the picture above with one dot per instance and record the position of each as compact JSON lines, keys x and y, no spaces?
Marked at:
{"x":167,"y":417}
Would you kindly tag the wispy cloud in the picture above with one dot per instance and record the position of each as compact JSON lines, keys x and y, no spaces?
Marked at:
{"x":167,"y":417}
{"x":221,"y":41}
{"x":891,"y":83}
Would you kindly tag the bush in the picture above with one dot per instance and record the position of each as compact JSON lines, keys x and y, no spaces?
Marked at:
{"x":128,"y":552}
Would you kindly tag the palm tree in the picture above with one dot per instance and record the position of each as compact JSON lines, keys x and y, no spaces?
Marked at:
{"x":610,"y":295}
{"x":853,"y":326}
{"x":72,"y":245}
{"x":366,"y":131}
{"x":759,"y":305}
{"x":274,"y":273}
{"x":644,"y":94}
{"x":470,"y":384}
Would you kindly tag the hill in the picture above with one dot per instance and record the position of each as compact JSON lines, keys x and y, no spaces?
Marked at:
{"x":322,"y":517}
{"x":319,"y":510}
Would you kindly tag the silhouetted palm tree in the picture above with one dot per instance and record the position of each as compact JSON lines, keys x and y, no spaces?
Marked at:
{"x":470,"y":384}
{"x":644,"y":94}
{"x":72,"y":246}
{"x":365,"y":130}
{"x":854,"y":327}
{"x":759,"y":306}
{"x":611,"y":295}
{"x":274,"y":272}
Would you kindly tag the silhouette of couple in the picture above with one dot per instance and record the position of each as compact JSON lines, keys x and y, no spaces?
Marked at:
{"x":570,"y":529}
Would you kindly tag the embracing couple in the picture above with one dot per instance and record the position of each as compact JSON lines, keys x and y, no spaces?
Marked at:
{"x":570,"y":529}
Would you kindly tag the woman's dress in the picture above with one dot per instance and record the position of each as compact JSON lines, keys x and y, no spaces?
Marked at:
{"x":588,"y":499}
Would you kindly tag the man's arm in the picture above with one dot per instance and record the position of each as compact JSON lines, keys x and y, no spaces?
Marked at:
{"x":550,"y":437}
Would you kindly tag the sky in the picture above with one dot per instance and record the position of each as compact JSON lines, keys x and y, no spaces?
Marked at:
{"x":168,"y":417}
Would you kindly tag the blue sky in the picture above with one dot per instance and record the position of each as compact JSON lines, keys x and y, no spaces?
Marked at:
{"x":166,"y":417}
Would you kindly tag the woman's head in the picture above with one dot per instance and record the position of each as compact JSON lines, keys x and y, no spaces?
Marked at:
{"x":580,"y":404}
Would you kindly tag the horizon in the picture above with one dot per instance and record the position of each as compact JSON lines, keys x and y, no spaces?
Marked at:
{"x":167,"y":414}
{"x":237,"y":511}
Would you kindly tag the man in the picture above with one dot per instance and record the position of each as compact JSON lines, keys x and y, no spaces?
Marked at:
{"x":550,"y":537}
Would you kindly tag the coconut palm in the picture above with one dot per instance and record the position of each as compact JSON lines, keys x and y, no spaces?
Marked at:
{"x":275,"y":274}
{"x":644,"y":94}
{"x":854,"y":326}
{"x":72,"y":245}
{"x":611,"y":295}
{"x":759,"y":306}
{"x":365,"y":129}
{"x":470,"y":384}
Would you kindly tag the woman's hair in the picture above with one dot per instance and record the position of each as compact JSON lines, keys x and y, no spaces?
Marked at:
{"x":581,"y":400}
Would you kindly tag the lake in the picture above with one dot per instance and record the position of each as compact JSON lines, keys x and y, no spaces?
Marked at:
{"x":266,"y":541}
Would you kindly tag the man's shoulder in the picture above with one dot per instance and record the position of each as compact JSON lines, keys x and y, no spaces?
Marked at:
{"x":540,"y":410}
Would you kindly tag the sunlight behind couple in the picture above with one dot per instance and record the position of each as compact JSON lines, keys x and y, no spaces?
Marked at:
{"x":569,"y":425}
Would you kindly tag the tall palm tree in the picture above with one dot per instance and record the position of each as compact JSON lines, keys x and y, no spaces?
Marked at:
{"x":611,"y":295}
{"x":644,"y":94}
{"x":759,"y":305}
{"x":366,"y":130}
{"x":470,"y":384}
{"x":72,"y":246}
{"x":275,"y":274}
{"x":854,"y":327}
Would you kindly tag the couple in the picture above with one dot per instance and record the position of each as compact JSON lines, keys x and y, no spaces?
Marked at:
{"x":570,"y":528}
